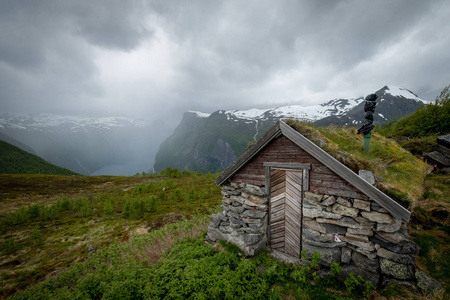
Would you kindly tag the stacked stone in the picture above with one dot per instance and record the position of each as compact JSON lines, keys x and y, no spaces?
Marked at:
{"x":243,"y":221}
{"x":359,"y":234}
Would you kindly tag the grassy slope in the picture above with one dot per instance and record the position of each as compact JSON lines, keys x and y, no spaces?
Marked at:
{"x":79,"y":213}
{"x":401,"y":172}
{"x":17,"y":161}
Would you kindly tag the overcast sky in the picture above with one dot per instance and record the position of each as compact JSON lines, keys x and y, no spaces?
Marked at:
{"x":157,"y":59}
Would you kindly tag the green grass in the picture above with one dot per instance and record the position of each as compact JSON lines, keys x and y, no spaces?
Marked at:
{"x":402,"y":173}
{"x":188,"y":269}
{"x":40,"y":236}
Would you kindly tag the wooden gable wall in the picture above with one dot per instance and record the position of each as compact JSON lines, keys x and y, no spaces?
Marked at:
{"x":283,"y":150}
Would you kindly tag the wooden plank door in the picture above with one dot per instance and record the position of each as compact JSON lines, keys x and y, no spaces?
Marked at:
{"x":285,"y":211}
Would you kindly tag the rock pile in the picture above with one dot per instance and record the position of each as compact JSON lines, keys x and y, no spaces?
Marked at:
{"x":440,"y":157}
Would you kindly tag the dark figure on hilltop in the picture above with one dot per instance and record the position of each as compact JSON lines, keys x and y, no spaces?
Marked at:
{"x":369,"y":109}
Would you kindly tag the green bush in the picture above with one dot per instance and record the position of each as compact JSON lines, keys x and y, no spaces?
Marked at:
{"x":137,"y":208}
{"x":9,"y":246}
{"x":427,"y":120}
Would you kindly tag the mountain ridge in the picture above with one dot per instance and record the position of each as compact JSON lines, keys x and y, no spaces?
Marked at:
{"x":210,"y":142}
{"x":89,"y":146}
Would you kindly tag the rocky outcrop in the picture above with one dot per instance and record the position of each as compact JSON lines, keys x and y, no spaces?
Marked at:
{"x":440,"y":157}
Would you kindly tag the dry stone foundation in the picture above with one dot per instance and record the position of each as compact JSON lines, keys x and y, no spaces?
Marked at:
{"x":359,"y":234}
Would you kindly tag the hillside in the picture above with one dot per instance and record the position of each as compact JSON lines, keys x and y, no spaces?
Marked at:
{"x":210,"y":142}
{"x":88,"y":146}
{"x":17,"y":161}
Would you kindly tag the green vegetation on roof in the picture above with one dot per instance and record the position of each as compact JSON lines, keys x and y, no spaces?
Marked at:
{"x":400,"y":174}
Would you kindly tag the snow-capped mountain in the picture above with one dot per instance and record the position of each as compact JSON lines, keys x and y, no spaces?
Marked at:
{"x":392,"y":103}
{"x":91,"y":146}
{"x":210,"y":142}
{"x":305,"y":113}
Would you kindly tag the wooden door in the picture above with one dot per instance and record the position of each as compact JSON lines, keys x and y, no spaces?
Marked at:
{"x":286,"y":211}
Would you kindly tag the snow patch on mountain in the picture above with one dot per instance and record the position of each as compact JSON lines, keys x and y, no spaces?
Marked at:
{"x":199,"y":114}
{"x":73,"y":123}
{"x":402,"y":92}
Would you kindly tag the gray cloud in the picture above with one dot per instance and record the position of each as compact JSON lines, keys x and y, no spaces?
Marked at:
{"x":159,"y":58}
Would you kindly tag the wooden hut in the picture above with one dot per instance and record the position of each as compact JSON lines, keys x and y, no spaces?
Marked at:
{"x":287,"y":194}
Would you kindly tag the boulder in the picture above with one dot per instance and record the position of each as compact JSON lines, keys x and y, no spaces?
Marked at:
{"x":426,"y":283}
{"x":367,"y":176}
{"x":396,"y":270}
{"x":327,"y":255}
{"x":347,"y":269}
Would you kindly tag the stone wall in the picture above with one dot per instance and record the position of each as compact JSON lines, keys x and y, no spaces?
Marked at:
{"x":243,"y":221}
{"x":361,"y":235}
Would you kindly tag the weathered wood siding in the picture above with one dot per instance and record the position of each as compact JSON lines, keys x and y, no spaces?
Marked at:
{"x":283,"y":150}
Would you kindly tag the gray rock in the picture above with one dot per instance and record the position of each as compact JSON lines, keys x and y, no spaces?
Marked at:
{"x":344,"y":222}
{"x":347,"y":269}
{"x":237,"y":199}
{"x":216,"y":219}
{"x":332,"y":228}
{"x":250,"y":239}
{"x":237,"y":185}
{"x":437,"y":158}
{"x":426,"y":283}
{"x":377,"y":207}
{"x":346,"y":255}
{"x":378,"y":217}
{"x":390,"y":227}
{"x":214,"y":234}
{"x":342,"y":210}
{"x":330,"y":200}
{"x":252,"y":221}
{"x":361,"y":204}
{"x":226,"y":201}
{"x":234,"y":214}
{"x":407,"y":284}
{"x":327,"y":255}
{"x":225,"y":229}
{"x":367,"y":176}
{"x":255,"y":248}
{"x":405,"y":259}
{"x":394,"y":237}
{"x":312,"y":224}
{"x":252,"y":205}
{"x":343,"y":201}
{"x":312,"y":197}
{"x":396,"y":270}
{"x":444,"y":140}
{"x":255,"y":190}
{"x":322,"y":244}
{"x":361,"y":261}
{"x":363,"y":230}
{"x":403,"y":247}
{"x":366,"y":246}
{"x":255,"y":214}
{"x":237,"y":209}
{"x":257,"y":199}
